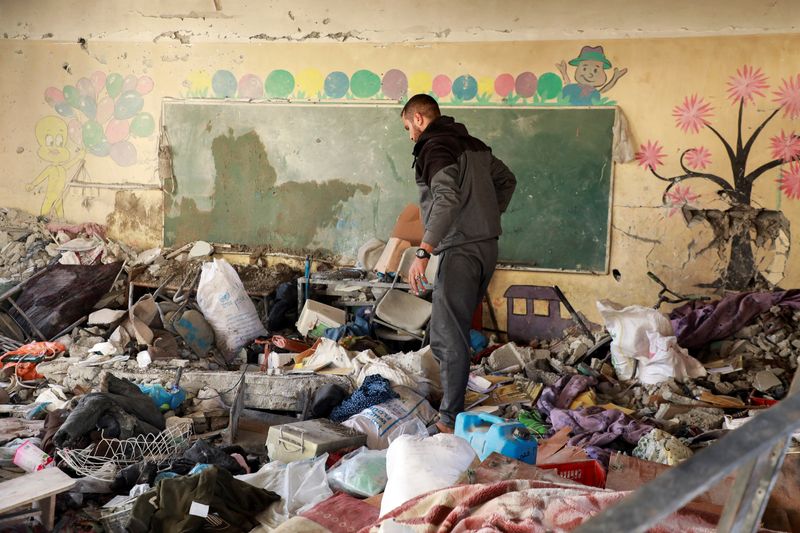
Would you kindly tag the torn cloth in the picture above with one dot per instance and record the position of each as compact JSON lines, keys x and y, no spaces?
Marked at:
{"x":596,"y":426}
{"x":698,"y":323}
{"x":561,"y":394}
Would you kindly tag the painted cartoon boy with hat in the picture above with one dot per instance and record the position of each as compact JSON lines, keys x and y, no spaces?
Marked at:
{"x":590,"y":76}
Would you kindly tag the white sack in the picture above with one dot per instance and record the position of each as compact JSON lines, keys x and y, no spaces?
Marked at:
{"x":667,"y":360}
{"x":417,"y":465}
{"x":628,"y":328}
{"x":227,"y":307}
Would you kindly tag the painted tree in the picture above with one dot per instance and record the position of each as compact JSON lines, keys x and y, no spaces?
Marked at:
{"x":692,"y":116}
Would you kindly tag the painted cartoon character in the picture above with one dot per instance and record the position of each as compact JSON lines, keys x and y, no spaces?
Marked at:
{"x":51,"y":134}
{"x":590,"y":76}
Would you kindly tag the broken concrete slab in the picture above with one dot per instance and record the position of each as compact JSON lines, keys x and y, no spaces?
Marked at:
{"x":766,"y":380}
{"x":201,"y":249}
{"x":147,"y":257}
{"x":277,"y":393}
{"x":106,"y":317}
{"x":510,"y":355}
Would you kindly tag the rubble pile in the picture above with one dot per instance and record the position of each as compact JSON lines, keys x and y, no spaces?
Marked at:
{"x":107,"y":400}
{"x":25,"y":246}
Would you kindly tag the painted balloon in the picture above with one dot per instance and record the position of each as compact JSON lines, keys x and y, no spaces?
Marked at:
{"x":336,"y":84}
{"x":441,"y":85}
{"x":224,"y":84}
{"x":129,"y":83}
{"x":250,"y":86}
{"x":100,"y":149}
{"x":123,"y":153}
{"x":526,"y":84}
{"x":395,"y":84}
{"x":53,"y":96}
{"x":114,"y":85}
{"x":143,"y":124}
{"x":365,"y":84}
{"x":98,"y":80}
{"x":549,"y":85}
{"x":144,"y":85}
{"x":310,"y":82}
{"x":92,"y":133}
{"x":465,"y":87}
{"x":105,"y":110}
{"x":71,"y":95}
{"x":279,"y":84}
{"x":485,"y":87}
{"x":75,"y":133}
{"x":128,"y":104}
{"x":421,"y":83}
{"x":85,"y":88}
{"x":504,"y":84}
{"x":64,"y":109}
{"x":116,"y":130}
{"x":88,"y":106}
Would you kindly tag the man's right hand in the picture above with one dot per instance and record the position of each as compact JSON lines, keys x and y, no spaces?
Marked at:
{"x":416,"y":275}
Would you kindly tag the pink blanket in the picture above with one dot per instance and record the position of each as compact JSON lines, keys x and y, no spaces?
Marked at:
{"x":518,"y":506}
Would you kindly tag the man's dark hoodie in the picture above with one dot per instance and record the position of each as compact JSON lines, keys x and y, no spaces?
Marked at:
{"x":463,"y":187}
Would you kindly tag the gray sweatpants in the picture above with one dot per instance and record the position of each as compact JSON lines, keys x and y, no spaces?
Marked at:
{"x":461,"y":281}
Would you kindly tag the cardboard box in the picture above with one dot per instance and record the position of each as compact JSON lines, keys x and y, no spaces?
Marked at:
{"x":409,"y":225}
{"x":390,"y":258}
{"x":317,"y":317}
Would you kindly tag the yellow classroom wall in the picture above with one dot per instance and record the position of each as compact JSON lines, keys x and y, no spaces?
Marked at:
{"x":119,"y":185}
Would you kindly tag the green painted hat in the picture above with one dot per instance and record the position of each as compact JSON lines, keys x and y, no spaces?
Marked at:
{"x":591,"y":53}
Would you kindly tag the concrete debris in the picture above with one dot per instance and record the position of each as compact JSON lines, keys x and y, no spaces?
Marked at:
{"x":661,"y":447}
{"x":200,"y":249}
{"x":106,"y":317}
{"x":150,"y":331}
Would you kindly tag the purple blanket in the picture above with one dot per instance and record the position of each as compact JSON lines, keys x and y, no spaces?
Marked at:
{"x":698,"y":323}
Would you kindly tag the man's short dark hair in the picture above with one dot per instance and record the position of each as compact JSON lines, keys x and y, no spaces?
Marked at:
{"x":424,"y":104}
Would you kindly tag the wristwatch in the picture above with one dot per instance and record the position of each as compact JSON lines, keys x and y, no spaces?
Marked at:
{"x":422,"y":253}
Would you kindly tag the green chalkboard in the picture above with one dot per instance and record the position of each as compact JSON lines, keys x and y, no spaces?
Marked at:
{"x":325,"y":178}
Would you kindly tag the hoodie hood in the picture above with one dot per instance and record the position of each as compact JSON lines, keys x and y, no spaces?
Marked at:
{"x":441,"y":127}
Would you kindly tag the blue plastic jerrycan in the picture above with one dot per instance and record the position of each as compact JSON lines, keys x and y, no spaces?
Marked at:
{"x":489,"y":433}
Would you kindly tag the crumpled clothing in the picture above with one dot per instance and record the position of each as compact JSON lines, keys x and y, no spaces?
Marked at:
{"x":698,"y":323}
{"x":375,"y":390}
{"x":233,"y":502}
{"x":563,"y":392}
{"x":121,"y":412}
{"x":202,"y":452}
{"x":326,"y":399}
{"x":283,"y":307}
{"x":596,"y":426}
{"x":360,"y":327}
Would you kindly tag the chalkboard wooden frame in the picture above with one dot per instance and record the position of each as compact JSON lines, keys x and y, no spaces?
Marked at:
{"x":225,"y":124}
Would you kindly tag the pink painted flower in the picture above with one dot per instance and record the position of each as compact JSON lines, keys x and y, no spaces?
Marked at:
{"x":788,"y":96}
{"x":692,"y":113}
{"x":698,"y":158}
{"x":785,"y":147}
{"x":747,"y":82}
{"x":790,"y":180}
{"x":650,"y":155}
{"x":680,"y":196}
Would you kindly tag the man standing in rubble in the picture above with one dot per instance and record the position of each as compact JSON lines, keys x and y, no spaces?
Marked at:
{"x":463,"y":191}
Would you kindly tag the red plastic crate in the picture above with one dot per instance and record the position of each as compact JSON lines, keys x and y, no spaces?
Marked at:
{"x":589,"y":473}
